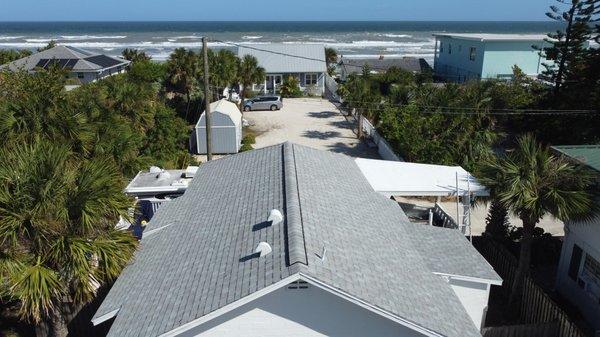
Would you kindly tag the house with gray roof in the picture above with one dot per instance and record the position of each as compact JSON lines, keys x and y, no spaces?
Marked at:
{"x":292,"y":241}
{"x":305,"y":62}
{"x":348,"y":66}
{"x":81,"y":65}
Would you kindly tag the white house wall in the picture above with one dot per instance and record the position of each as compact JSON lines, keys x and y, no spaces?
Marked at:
{"x":307,"y":312}
{"x":473,"y":296}
{"x":587,"y":237}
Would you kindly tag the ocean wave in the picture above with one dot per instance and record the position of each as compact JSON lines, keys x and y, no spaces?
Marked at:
{"x":92,"y":37}
{"x":5,"y":38}
{"x":396,"y":35}
{"x":251,"y":37}
{"x":36,"y":43}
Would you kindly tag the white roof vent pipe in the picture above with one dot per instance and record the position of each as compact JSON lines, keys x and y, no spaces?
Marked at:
{"x":155,"y":169}
{"x":275,"y":217}
{"x":163,"y":175}
{"x":263,"y":249}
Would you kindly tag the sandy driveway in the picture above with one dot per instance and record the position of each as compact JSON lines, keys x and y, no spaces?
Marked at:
{"x":313,"y":122}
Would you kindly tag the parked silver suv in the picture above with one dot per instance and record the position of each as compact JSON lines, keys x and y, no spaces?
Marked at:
{"x":263,"y":103}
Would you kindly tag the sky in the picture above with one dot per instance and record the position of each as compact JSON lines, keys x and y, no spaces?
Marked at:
{"x":277,"y":10}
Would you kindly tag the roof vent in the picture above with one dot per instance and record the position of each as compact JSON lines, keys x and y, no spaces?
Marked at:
{"x":263,"y":249}
{"x":155,"y":169}
{"x":275,"y":217}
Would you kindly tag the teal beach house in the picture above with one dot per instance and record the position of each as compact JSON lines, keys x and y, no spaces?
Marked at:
{"x":463,"y":57}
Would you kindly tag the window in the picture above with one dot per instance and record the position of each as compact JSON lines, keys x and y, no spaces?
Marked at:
{"x":472,"y":53}
{"x":79,"y":75}
{"x":311,"y":79}
{"x":449,"y":48}
{"x":575,"y":262}
{"x":459,"y":48}
{"x":591,"y":267}
{"x":441,"y":47}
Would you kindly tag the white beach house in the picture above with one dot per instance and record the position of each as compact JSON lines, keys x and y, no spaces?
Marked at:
{"x":305,"y":62}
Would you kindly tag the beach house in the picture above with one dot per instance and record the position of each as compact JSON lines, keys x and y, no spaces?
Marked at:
{"x":270,"y":243}
{"x":463,"y":57}
{"x":82,"y":66}
{"x":348,"y":66}
{"x":305,"y":62}
{"x":578,"y":275}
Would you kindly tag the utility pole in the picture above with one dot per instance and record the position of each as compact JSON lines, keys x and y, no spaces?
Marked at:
{"x":360,"y":124}
{"x":207,"y":98}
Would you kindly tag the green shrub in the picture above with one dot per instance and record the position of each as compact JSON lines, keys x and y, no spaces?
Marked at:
{"x":249,"y":139}
{"x":246,"y":147}
{"x":290,"y":87}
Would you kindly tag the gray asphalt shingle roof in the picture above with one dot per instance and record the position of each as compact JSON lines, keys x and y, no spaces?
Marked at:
{"x":188,"y":264}
{"x":82,"y":60}
{"x":270,"y":56}
{"x":412,"y":64}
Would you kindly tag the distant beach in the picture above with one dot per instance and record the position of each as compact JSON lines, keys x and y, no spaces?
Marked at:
{"x":159,"y":39}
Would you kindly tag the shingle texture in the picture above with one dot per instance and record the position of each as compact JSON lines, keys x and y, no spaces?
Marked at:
{"x":75,"y":59}
{"x":288,"y":58}
{"x":412,"y":64}
{"x":192,"y":258}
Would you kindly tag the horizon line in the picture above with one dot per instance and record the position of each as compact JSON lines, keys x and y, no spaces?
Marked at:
{"x":255,"y":21}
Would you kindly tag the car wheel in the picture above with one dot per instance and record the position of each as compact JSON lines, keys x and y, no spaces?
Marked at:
{"x":273,"y":107}
{"x":246,"y":108}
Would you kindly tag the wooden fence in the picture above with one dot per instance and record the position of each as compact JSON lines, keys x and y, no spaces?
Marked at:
{"x":536,"y":306}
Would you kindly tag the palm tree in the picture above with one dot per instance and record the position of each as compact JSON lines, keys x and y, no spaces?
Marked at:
{"x":223,"y":68}
{"x":530,"y":182}
{"x":58,"y":243}
{"x":135,"y":55}
{"x":249,"y":73}
{"x":182,"y":73}
{"x":331,"y":58}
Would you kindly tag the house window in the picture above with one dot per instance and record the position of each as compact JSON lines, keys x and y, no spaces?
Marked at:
{"x":79,"y":75}
{"x":459,"y":48}
{"x":575,"y":262}
{"x":441,"y":47}
{"x":472,"y":53}
{"x":449,"y":48}
{"x":311,"y":79}
{"x":591,"y":267}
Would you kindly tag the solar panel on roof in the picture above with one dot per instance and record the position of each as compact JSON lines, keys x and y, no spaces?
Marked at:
{"x":103,"y":61}
{"x":60,"y":63}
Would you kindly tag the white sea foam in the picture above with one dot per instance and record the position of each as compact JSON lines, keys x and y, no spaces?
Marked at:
{"x":252,"y":37}
{"x":6,"y":38}
{"x":92,"y":37}
{"x":396,"y":35}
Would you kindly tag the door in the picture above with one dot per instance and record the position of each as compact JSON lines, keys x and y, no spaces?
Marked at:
{"x":274,"y":82}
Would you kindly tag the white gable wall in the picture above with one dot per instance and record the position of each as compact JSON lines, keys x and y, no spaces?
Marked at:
{"x":303,"y":313}
{"x":473,"y":296}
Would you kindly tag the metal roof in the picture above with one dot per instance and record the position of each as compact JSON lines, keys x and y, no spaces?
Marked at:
{"x":73,"y":59}
{"x":585,"y":154}
{"x":412,"y":179}
{"x":494,"y":37}
{"x":192,"y":258}
{"x":275,"y":57}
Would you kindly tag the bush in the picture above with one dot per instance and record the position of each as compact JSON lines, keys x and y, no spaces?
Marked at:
{"x":246,"y":147}
{"x":290,"y":87}
{"x":249,"y":139}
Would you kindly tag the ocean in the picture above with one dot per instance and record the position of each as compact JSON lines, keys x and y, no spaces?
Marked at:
{"x":159,"y":39}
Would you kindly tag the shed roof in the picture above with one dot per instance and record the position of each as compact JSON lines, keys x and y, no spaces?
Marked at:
{"x":411,"y":179}
{"x":287,"y":57}
{"x":494,"y":37}
{"x":66,"y":57}
{"x":224,"y":107}
{"x":585,"y":154}
{"x":191,"y":264}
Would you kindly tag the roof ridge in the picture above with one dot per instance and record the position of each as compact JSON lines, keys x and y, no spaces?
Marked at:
{"x":296,"y":245}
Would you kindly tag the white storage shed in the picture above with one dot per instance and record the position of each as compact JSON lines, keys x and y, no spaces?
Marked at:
{"x":226,"y":128}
